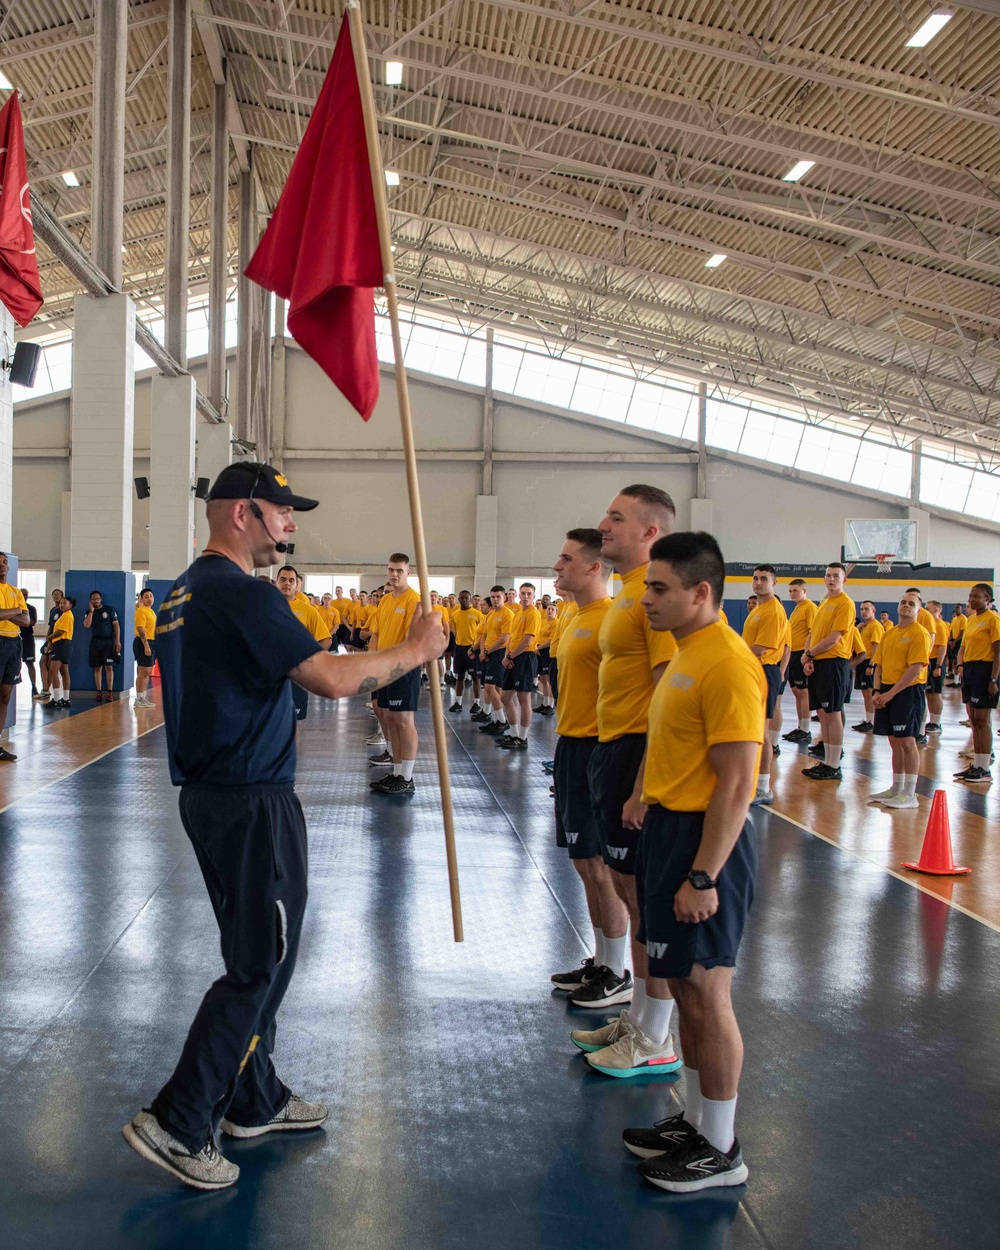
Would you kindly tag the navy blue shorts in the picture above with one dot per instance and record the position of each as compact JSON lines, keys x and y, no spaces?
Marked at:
{"x":935,"y":678}
{"x":772,"y":674}
{"x":830,"y":685}
{"x":402,"y":695}
{"x":461,"y":663}
{"x":300,"y":698}
{"x":343,"y":635}
{"x":613,"y":769}
{"x":495,"y":670}
{"x":796,"y":677}
{"x":903,"y":717}
{"x":356,"y":639}
{"x":60,"y":652}
{"x":543,"y":661}
{"x":576,"y":825}
{"x":522,"y":676}
{"x":976,"y":684}
{"x":554,"y":675}
{"x":667,"y":850}
{"x":140,"y":656}
{"x":450,"y":650}
{"x":10,"y":661}
{"x":102,"y":652}
{"x":27,"y":646}
{"x":863,"y":680}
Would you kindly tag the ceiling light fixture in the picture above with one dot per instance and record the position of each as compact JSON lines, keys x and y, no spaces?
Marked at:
{"x":934,"y":24}
{"x":391,"y":178}
{"x":393,"y":73}
{"x":70,"y":178}
{"x":715,"y":261}
{"x":798,"y":170}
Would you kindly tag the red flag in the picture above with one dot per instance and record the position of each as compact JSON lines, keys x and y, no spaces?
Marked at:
{"x":320,"y":250}
{"x":20,"y":287}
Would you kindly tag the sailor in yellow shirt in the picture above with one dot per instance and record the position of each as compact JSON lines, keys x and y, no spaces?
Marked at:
{"x":342,"y":604}
{"x":520,"y":671}
{"x":499,"y":623}
{"x":871,"y":634}
{"x":465,"y":624}
{"x":764,"y":633}
{"x":330,"y":615}
{"x":901,"y":660}
{"x":633,"y":656}
{"x":582,"y":572}
{"x":288,"y":582}
{"x":886,"y":621}
{"x":826,"y":662}
{"x":697,"y":862}
{"x":800,"y":623}
{"x":979,"y":664}
{"x":563,"y":619}
{"x":397,"y":701}
{"x":935,"y":670}
{"x":144,"y":648}
{"x":60,"y":646}
{"x":956,"y":627}
{"x":13,"y":615}
{"x":774,"y":725}
{"x":550,"y":619}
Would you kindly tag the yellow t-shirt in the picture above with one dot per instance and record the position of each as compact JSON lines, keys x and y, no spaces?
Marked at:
{"x":499,"y":622}
{"x":857,"y":643}
{"x":957,"y":625}
{"x":11,"y":597}
{"x":331,"y":618}
{"x":940,"y":636}
{"x":630,"y":650}
{"x":831,"y":614}
{"x":395,"y":612}
{"x":722,"y":615}
{"x":713,"y":691}
{"x":909,"y":644}
{"x":579,"y":667}
{"x":887,"y":625}
{"x":526,"y":621}
{"x":309,"y":616}
{"x":547,"y":630}
{"x":562,"y":624}
{"x":925,"y":619}
{"x":872,"y":634}
{"x":466,"y":622}
{"x":342,"y":606}
{"x":801,"y":622}
{"x":62,"y":631}
{"x":766,"y":626}
{"x":145,"y":618}
{"x":981,"y":632}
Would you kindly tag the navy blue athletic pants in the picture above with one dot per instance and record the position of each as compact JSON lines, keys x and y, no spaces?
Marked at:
{"x":251,"y":845}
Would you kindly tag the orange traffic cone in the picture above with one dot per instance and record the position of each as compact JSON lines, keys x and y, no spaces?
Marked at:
{"x":156,"y":669}
{"x":935,"y":854}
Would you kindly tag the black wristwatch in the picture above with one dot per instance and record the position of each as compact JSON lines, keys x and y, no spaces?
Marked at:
{"x":701,"y":880}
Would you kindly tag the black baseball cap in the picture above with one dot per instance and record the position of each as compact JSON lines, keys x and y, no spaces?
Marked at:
{"x":250,"y":480}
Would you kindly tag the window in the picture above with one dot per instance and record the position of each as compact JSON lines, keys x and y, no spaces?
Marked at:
{"x":443,"y":585}
{"x":984,"y":496}
{"x":33,"y":582}
{"x":324,"y":583}
{"x":944,"y":485}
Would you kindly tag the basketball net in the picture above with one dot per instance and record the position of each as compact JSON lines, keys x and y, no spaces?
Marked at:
{"x":884,"y":561}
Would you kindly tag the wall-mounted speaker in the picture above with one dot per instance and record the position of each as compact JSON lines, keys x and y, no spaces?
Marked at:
{"x":201,"y":490}
{"x":141,"y":487}
{"x":24,"y":365}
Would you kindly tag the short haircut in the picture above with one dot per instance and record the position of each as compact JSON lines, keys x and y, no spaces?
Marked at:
{"x":986,"y":587}
{"x":527,"y":585}
{"x":916,"y":594}
{"x":695,"y":557}
{"x":864,"y":601}
{"x":146,"y":590}
{"x":590,"y":540}
{"x":498,"y":590}
{"x":288,"y":568}
{"x":466,"y":592}
{"x":835,"y":564}
{"x":934,"y":603}
{"x":656,"y":501}
{"x":914,"y":590}
{"x":98,"y":592}
{"x":71,"y":602}
{"x":797,"y":581}
{"x":766,"y":568}
{"x":399,"y":557}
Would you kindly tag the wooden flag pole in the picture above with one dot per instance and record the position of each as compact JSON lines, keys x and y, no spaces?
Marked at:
{"x":406,"y":424}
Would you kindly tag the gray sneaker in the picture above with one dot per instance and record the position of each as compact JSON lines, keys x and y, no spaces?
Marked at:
{"x":295,"y":1115}
{"x":207,"y":1169}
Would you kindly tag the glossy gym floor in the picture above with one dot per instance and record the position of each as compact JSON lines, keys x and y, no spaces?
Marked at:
{"x":460,"y":1114}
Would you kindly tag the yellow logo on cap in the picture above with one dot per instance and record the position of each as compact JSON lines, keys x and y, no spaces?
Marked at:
{"x":282,"y":481}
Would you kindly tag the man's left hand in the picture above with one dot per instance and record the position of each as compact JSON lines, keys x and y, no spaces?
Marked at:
{"x":692,"y":906}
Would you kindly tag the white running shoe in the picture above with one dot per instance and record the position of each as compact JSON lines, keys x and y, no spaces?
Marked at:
{"x":207,"y":1169}
{"x":899,"y":802}
{"x":297,"y":1114}
{"x":591,"y":1040}
{"x":376,"y":740}
{"x":883,"y":795}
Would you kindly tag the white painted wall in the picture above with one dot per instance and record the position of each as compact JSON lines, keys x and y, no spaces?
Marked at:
{"x":363,"y":514}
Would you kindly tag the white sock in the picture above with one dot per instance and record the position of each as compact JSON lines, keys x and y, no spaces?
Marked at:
{"x":405,"y":768}
{"x":910,"y":785}
{"x":522,"y":732}
{"x":599,"y":941}
{"x":804,"y":723}
{"x":638,"y":1005}
{"x":396,"y":769}
{"x":775,"y":737}
{"x":656,"y":1018}
{"x":763,"y":783}
{"x":898,"y":783}
{"x":614,"y":954}
{"x":833,"y":754}
{"x":981,"y":761}
{"x":717,"y":1122}
{"x":692,"y":1097}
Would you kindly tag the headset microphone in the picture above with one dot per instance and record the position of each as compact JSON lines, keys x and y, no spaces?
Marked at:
{"x":284,"y":548}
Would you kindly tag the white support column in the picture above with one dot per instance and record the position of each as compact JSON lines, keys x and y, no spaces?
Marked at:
{"x":108,"y":175}
{"x":102,"y":416}
{"x":178,"y":178}
{"x":214,"y":452}
{"x":171,"y":500}
{"x":6,"y":434}
{"x":278,"y":397}
{"x":244,"y":311}
{"x":219,"y":258}
{"x":486,"y":543}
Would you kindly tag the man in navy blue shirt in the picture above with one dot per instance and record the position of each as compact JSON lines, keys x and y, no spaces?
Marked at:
{"x":227,"y":647}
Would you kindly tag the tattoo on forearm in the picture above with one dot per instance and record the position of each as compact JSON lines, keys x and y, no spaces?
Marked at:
{"x":395,"y":675}
{"x":368,"y":685}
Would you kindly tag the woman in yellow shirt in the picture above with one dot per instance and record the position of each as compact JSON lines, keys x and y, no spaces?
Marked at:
{"x":60,"y":647}
{"x":546,"y":634}
{"x":143,"y":648}
{"x":900,"y":703}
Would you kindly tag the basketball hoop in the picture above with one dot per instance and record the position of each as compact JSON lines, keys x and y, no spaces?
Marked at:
{"x":884,"y":561}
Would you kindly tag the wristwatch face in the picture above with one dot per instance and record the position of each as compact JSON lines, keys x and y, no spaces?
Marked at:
{"x":701,"y":880}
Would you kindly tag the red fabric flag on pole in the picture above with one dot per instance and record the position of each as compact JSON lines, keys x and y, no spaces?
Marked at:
{"x":20,"y":287}
{"x":320,"y":250}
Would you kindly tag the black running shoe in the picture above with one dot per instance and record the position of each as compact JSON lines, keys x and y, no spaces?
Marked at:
{"x":495,"y":728}
{"x":818,"y":750}
{"x":377,"y":783}
{"x":976,"y":775}
{"x":509,"y":743}
{"x":377,"y":761}
{"x":575,"y":979}
{"x":775,"y":750}
{"x":861,"y":727}
{"x":868,"y":727}
{"x":823,"y":772}
{"x":815,"y":718}
{"x":798,"y":735}
{"x":475,"y":709}
{"x":932,"y":727}
{"x":921,"y":740}
{"x":604,"y":989}
{"x":6,"y":756}
{"x":700,"y":1166}
{"x":395,"y":784}
{"x":455,"y":707}
{"x":667,"y":1137}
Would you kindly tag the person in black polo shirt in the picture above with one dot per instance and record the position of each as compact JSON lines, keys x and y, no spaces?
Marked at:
{"x":227,"y":647}
{"x":28,"y":642}
{"x":105,"y":642}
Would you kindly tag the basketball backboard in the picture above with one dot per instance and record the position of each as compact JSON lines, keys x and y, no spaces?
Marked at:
{"x":865,"y":539}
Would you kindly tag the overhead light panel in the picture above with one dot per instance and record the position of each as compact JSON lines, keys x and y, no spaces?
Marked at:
{"x":5,"y":82}
{"x":393,"y":73}
{"x":934,"y":24}
{"x":715,"y":261}
{"x":391,"y":178}
{"x":798,"y":170}
{"x":70,"y":178}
